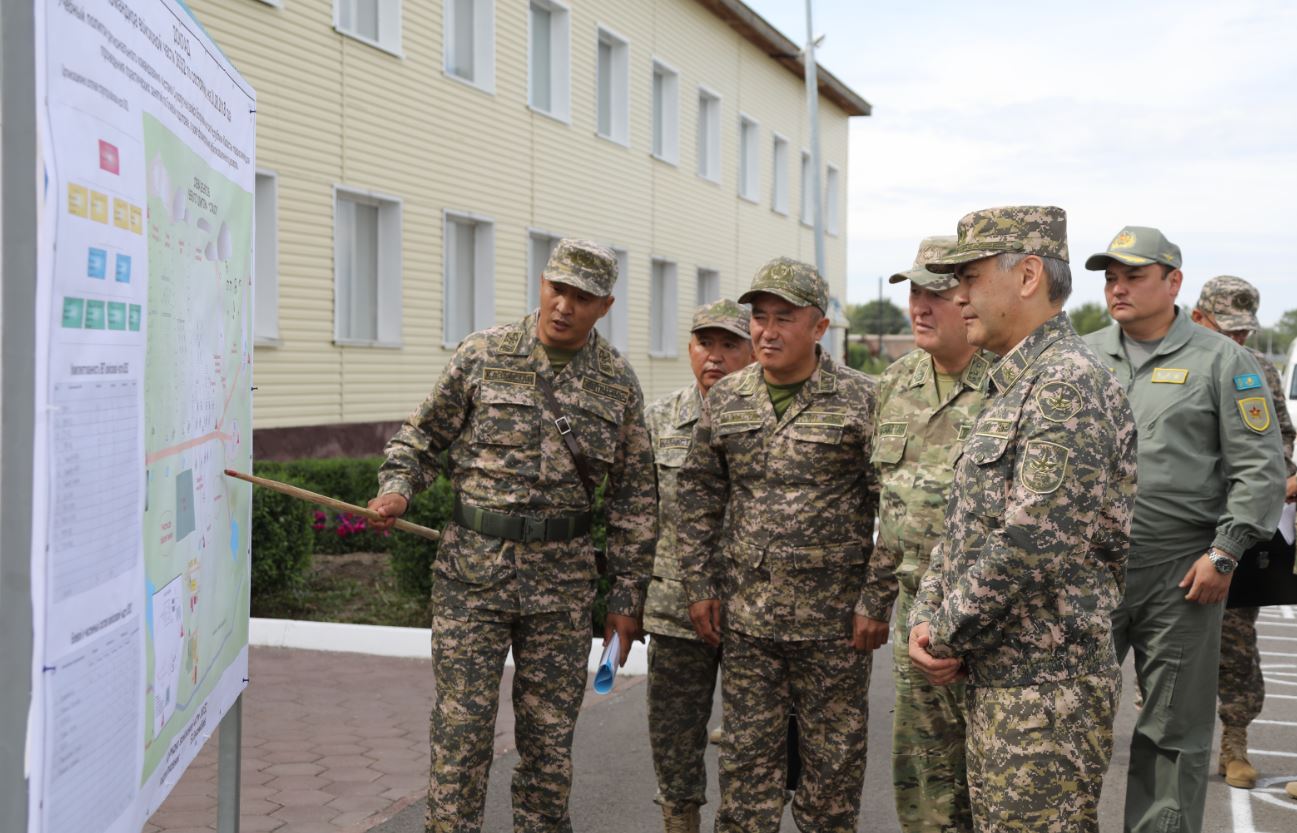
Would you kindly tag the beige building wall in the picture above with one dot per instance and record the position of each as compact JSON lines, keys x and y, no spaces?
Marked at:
{"x":336,"y":112}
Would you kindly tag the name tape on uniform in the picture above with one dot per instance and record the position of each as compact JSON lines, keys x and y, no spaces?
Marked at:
{"x":521,"y":378}
{"x":1170,"y":376}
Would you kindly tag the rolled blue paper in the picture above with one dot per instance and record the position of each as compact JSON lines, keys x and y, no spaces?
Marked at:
{"x":607,"y":670}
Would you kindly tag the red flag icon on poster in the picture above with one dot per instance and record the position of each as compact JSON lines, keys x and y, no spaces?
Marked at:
{"x":108,"y":159}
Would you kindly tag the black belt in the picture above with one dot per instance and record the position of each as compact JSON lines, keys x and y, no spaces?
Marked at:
{"x":519,"y":527}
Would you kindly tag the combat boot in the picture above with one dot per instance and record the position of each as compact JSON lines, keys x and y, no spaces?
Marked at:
{"x":685,"y":821}
{"x":1234,"y":765}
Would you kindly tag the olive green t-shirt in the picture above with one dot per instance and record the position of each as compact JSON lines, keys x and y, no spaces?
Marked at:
{"x":781,"y":396}
{"x":559,"y":357}
{"x":945,"y":382}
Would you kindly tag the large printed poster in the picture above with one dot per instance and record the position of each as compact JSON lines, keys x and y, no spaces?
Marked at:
{"x":140,"y":561}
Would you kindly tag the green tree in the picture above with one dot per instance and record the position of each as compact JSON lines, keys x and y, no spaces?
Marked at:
{"x":1089,"y":317}
{"x":864,"y":318}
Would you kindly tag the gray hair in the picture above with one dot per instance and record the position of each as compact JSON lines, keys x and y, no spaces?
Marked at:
{"x":1057,"y":273}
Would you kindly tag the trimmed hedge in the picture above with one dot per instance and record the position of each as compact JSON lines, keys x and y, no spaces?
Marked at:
{"x":281,"y":541}
{"x":354,"y":480}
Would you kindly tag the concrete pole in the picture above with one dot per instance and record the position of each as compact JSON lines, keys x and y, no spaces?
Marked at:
{"x":813,"y":109}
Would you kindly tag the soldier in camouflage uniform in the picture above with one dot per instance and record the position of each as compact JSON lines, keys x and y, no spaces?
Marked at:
{"x":1228,"y":306}
{"x":1211,"y":484}
{"x":928,"y":401}
{"x":777,"y":503}
{"x":516,"y":567}
{"x":1021,"y":590}
{"x":681,"y":667}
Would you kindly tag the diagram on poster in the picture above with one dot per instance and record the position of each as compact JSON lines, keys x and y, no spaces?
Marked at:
{"x":197,"y":383}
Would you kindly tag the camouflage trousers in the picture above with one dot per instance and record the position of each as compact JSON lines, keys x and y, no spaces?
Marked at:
{"x":929,"y":773}
{"x":1241,"y":687}
{"x":1037,"y":754}
{"x":549,"y":655}
{"x":827,"y":683}
{"x":681,"y":680}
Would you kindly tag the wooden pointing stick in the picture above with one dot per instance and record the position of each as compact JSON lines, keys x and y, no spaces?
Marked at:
{"x":332,"y":503}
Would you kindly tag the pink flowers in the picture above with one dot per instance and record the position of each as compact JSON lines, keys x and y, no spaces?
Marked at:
{"x":345,"y":524}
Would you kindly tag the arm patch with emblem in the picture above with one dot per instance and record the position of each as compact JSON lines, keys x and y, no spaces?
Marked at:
{"x":1256,"y":413}
{"x":1059,"y":401}
{"x":1044,"y":466}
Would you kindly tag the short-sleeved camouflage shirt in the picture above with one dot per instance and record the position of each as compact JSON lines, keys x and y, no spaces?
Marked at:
{"x":503,"y":455}
{"x":1038,"y":526}
{"x":793,"y":553}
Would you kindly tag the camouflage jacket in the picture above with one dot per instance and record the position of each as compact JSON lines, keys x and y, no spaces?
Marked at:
{"x":1211,"y":471}
{"x":1287,"y":433}
{"x":1038,"y":525}
{"x":671,"y":421}
{"x":915,"y":435}
{"x":503,"y":455}
{"x":800,"y":493}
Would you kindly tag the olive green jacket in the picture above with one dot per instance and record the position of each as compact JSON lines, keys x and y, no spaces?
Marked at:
{"x":1211,"y":467}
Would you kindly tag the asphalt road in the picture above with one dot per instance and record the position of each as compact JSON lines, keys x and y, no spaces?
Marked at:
{"x":614,"y":782}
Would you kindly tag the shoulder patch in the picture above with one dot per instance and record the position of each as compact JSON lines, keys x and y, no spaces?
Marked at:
{"x":521,"y":378}
{"x":749,"y":385}
{"x":965,"y":431}
{"x":828,"y":383}
{"x":893,"y":429}
{"x":1059,"y":401}
{"x":511,"y":341}
{"x":1247,"y":381}
{"x":1044,"y":466}
{"x":616,"y":393}
{"x":1170,"y":376}
{"x":606,"y":365}
{"x":1256,"y":413}
{"x":976,"y":372}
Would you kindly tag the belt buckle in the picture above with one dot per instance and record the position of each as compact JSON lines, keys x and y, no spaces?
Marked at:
{"x":564,"y":425}
{"x":533,"y":529}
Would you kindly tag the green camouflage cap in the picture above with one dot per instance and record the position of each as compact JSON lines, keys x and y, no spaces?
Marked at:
{"x":796,"y":282}
{"x":1137,"y":246}
{"x":723,"y":315}
{"x":930,"y":248}
{"x":587,"y":266}
{"x":1013,"y":229}
{"x":1232,"y":301}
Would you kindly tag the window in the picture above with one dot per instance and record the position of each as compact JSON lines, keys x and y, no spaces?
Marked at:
{"x":709,"y":135}
{"x":666,"y":113}
{"x":616,"y":324}
{"x":709,"y":286}
{"x":662,"y":309}
{"x":613,"y":87}
{"x":376,"y":22}
{"x":779,"y":176}
{"x":749,"y":174}
{"x":549,"y":84}
{"x":265,"y":275}
{"x":469,"y":34}
{"x":469,"y":301}
{"x":367,"y":269}
{"x":832,"y":211}
{"x":807,"y":212}
{"x":539,"y":247}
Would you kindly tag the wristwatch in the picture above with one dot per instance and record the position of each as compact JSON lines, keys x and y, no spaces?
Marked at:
{"x":1222,"y":561}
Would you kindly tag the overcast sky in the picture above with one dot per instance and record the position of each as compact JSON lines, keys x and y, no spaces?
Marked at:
{"x":1180,"y":115}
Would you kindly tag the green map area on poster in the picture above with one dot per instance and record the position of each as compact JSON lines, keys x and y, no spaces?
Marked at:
{"x":197,"y":423}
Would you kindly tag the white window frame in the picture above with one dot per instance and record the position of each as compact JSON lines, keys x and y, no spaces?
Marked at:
{"x":749,"y":158}
{"x":708,"y":145}
{"x":534,"y":265}
{"x":389,"y":25}
{"x":388,"y":279}
{"x":618,"y":86}
{"x":265,"y":276}
{"x":779,"y":174}
{"x":663,"y":309}
{"x":483,"y":45}
{"x":832,"y":200}
{"x":615,"y":326}
{"x":806,"y":211}
{"x":665,"y":145}
{"x":708,"y":285}
{"x":560,"y":61}
{"x":483,"y":274}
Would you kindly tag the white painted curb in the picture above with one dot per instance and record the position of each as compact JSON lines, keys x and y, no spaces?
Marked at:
{"x":386,"y":641}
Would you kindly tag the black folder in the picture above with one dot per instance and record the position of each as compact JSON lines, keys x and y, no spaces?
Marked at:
{"x":1265,"y":576}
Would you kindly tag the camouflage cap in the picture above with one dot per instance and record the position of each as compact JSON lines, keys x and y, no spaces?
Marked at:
{"x":724,"y":315}
{"x":1232,"y":301}
{"x":796,"y":282}
{"x":930,"y":248}
{"x":1137,"y":246}
{"x":1012,"y":229}
{"x":587,"y":266}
